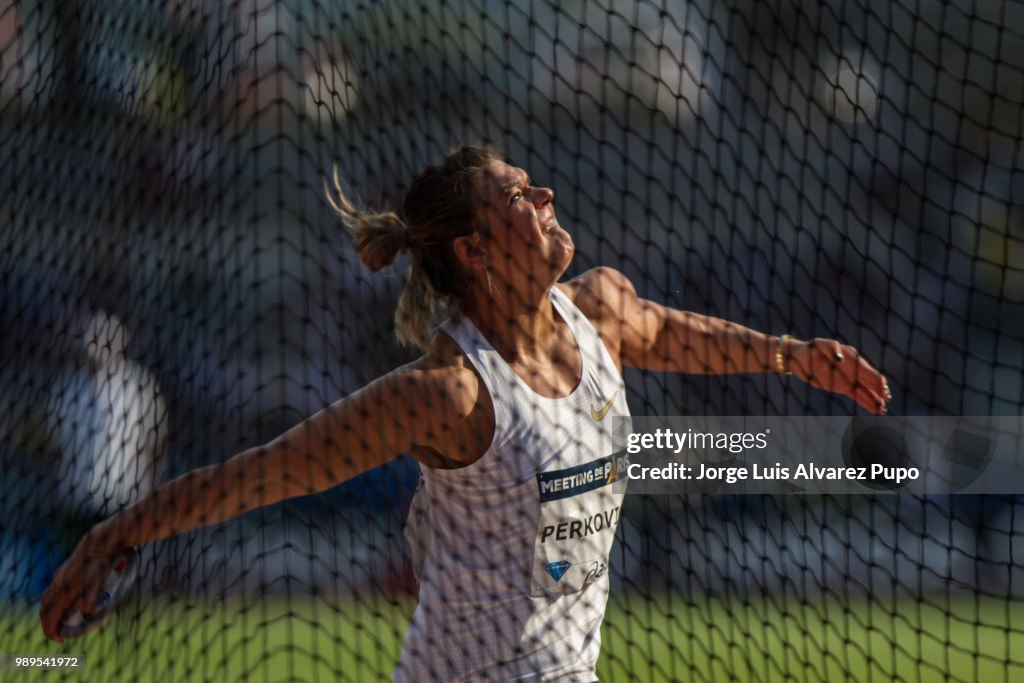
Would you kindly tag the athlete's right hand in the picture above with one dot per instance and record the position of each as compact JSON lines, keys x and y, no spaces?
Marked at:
{"x":78,"y":583}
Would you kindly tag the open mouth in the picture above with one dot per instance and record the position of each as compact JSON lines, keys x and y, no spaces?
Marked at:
{"x":550,"y":226}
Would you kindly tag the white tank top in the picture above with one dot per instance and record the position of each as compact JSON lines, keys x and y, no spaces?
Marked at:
{"x":515,"y":547}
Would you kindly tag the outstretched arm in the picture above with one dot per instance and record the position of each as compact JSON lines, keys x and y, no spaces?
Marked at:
{"x":343,"y":440}
{"x":353,"y":435}
{"x":655,"y":337}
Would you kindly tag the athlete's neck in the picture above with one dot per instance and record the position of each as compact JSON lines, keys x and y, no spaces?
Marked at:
{"x":518,"y":327}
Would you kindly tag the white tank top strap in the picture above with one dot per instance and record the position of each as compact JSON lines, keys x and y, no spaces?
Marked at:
{"x":485,"y":359}
{"x":596,"y":357}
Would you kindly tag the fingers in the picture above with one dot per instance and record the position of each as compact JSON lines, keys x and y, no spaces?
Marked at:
{"x":49,"y":627}
{"x":871,"y":378}
{"x":869,"y":400}
{"x":871,"y":389}
{"x":89,"y":603}
{"x":54,"y":606}
{"x":50,"y":607}
{"x":77,"y":584}
{"x":58,"y":605}
{"x":872,"y":375}
{"x":864,"y":384}
{"x":853,"y":365}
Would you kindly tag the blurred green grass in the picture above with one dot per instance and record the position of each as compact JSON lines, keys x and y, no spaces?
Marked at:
{"x":669,"y":638}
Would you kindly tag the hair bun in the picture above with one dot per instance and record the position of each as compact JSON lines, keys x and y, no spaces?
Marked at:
{"x":379,"y":236}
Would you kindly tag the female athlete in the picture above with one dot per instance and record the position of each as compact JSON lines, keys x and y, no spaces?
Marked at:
{"x":509,"y":412}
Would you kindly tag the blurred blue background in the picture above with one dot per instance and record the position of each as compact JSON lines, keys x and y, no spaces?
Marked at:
{"x":849,"y":169}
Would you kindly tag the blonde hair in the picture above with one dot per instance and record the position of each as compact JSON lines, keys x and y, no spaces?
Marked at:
{"x":439,"y":206}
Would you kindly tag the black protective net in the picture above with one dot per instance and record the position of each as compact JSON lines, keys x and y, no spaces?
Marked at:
{"x":175,"y":289}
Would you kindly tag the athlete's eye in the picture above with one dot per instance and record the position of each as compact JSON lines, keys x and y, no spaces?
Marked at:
{"x":515,"y":197}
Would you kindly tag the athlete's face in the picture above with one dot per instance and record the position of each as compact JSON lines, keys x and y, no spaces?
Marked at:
{"x":523,"y":239}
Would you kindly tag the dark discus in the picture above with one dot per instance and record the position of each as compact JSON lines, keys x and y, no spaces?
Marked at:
{"x":123,"y":572}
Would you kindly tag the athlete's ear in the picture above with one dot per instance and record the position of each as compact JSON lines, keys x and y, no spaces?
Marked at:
{"x":471,"y":253}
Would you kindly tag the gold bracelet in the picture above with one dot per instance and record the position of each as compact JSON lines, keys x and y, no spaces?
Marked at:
{"x":782,"y":354}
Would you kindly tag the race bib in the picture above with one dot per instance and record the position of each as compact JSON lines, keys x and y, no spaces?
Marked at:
{"x":579,"y":512}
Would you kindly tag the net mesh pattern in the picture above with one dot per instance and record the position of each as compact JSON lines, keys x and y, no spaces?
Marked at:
{"x":175,"y":289}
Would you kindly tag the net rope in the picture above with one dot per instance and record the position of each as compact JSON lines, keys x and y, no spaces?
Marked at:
{"x":174,"y":289}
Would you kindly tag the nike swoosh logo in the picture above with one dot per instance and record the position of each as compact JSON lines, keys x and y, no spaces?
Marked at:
{"x":599,"y":414}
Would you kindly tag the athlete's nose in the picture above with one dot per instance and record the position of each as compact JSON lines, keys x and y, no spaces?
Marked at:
{"x":542,"y":195}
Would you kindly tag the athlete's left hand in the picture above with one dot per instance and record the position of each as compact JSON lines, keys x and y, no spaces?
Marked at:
{"x":830,"y":366}
{"x":78,"y":583}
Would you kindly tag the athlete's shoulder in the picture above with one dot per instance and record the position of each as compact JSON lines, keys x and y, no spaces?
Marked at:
{"x":609,"y":300}
{"x":454,"y":402}
{"x":600,"y":293}
{"x":443,"y":376}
